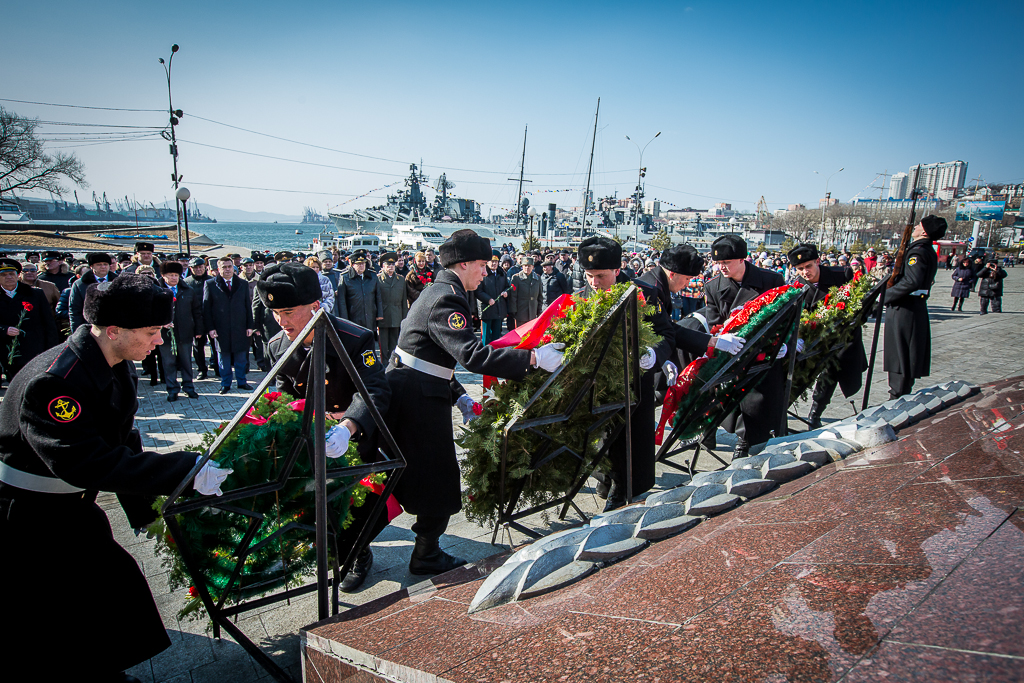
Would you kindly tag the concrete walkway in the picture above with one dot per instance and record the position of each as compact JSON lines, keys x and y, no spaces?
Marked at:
{"x":965,"y":346}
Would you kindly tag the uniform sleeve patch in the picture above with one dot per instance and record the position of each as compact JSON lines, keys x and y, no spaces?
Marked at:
{"x":457,"y":321}
{"x":369,"y":359}
{"x":64,"y":409}
{"x":912,"y":260}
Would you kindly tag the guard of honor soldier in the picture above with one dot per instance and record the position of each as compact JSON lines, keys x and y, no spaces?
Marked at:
{"x":66,"y":433}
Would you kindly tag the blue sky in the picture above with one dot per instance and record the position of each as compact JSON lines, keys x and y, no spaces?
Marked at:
{"x":751,"y":98}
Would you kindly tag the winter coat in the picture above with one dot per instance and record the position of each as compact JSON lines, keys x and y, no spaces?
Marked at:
{"x":394,"y":293}
{"x":326,"y":290}
{"x":417,"y":279}
{"x":908,"y":336}
{"x":491,"y":287}
{"x":76,"y":301}
{"x":188,"y":312}
{"x":359,"y":299}
{"x":991,"y":283}
{"x":38,"y":329}
{"x":228,"y":312}
{"x":524,"y":300}
{"x":553,"y":286}
{"x":963,"y":279}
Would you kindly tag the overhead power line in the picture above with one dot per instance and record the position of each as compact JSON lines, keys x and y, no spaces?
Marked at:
{"x":78,"y":106}
{"x":276,"y":189}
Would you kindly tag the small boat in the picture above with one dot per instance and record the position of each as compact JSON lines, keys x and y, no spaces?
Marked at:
{"x":298,"y":232}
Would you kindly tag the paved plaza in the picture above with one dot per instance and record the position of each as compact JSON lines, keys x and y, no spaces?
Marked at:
{"x":965,"y":346}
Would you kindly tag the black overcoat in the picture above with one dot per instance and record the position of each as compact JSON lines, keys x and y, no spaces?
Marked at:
{"x":963,"y":280}
{"x":228,"y":312}
{"x":39,"y":328}
{"x":359,"y":299}
{"x":761,"y":410}
{"x":438,"y":330}
{"x":188,"y":312}
{"x":491,"y":287}
{"x":394,"y":294}
{"x":70,"y":415}
{"x":76,"y":302}
{"x":852,"y":361}
{"x":908,"y":335}
{"x":991,"y":283}
{"x":553,"y":286}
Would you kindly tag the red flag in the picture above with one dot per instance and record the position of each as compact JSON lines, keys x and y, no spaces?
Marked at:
{"x":529,"y":335}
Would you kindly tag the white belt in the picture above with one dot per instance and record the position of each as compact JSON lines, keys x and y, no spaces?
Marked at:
{"x":33,"y":482}
{"x":919,"y":292}
{"x":426,"y":367}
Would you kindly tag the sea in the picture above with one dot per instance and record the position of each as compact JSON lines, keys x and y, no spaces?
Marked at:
{"x":262,"y":236}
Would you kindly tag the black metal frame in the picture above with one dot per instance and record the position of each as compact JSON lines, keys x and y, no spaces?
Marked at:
{"x":789,"y":315}
{"x":315,"y":447}
{"x":622,"y":316}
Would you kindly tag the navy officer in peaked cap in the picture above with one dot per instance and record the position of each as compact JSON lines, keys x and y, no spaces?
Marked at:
{"x":292,"y":292}
{"x":66,"y":433}
{"x":738,"y":283}
{"x":806,"y":261}
{"x":908,"y":335}
{"x":437,"y":334}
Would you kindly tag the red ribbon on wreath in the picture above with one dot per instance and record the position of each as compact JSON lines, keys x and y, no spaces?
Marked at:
{"x":675,"y":394}
{"x":534,"y":333}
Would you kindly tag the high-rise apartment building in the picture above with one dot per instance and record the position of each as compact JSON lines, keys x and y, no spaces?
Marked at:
{"x":898,"y":186}
{"x":942,"y":180}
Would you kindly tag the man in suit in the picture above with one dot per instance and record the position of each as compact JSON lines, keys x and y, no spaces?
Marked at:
{"x":739,"y":282}
{"x":227,"y":315}
{"x":359,"y":296}
{"x":27,"y":324}
{"x":186,"y":324}
{"x":524,"y":299}
{"x":552,"y":283}
{"x":395,"y":298}
{"x":143,"y":256}
{"x":806,"y":261}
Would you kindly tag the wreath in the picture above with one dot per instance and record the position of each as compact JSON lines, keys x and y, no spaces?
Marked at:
{"x":281,"y":551}
{"x":568,"y":320}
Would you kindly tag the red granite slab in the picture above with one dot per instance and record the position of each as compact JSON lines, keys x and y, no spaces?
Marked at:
{"x":897,"y":663}
{"x":980,"y":605}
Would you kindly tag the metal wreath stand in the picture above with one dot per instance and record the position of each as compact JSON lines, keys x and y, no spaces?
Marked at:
{"x":314,"y":447}
{"x":622,"y":316}
{"x":736,"y":368}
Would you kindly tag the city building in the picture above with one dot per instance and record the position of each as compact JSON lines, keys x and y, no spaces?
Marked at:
{"x":652,"y":207}
{"x":942,"y":180}
{"x":898,"y":186}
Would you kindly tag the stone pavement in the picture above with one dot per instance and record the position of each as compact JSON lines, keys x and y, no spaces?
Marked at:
{"x":965,"y":346}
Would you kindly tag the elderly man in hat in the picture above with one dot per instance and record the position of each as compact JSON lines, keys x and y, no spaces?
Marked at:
{"x":67,"y":433}
{"x":552,"y":283}
{"x":227,"y":317}
{"x":99,"y":271}
{"x":56,"y":270}
{"x":292,"y":292}
{"x":524,"y":299}
{"x":359,"y":296}
{"x":737,"y":283}
{"x":806,"y":262}
{"x":27,"y":326}
{"x":186,"y":324}
{"x":395,"y":298}
{"x":196,"y":281}
{"x":908,"y":337}
{"x":438,"y":334}
{"x":143,"y":257}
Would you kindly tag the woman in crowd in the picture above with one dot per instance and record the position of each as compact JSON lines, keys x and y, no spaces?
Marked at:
{"x":963,"y":281}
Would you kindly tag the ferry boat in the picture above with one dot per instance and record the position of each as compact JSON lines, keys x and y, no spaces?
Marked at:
{"x":12,"y":213}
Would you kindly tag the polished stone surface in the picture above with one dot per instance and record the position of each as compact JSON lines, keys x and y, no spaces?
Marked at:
{"x":902,"y":563}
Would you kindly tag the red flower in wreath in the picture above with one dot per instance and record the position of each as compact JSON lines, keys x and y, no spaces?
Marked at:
{"x":840,"y":305}
{"x":477,"y":409}
{"x":272,"y":396}
{"x":192,"y":592}
{"x":27,"y":306}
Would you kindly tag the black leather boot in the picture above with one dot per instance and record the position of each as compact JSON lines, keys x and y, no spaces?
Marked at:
{"x":741,"y":449}
{"x":360,"y":570}
{"x":814,"y":417}
{"x":616,"y":496}
{"x":428,"y":558}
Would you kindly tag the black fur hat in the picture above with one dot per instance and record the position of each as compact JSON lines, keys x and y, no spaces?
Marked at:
{"x":728,"y":248}
{"x":144,"y":246}
{"x":285,"y":285}
{"x":95,"y":257}
{"x":464,"y":245}
{"x":682,"y":259}
{"x":171,"y":267}
{"x":130,"y":301}
{"x":934,"y":226}
{"x":600,"y":253}
{"x":803,"y":253}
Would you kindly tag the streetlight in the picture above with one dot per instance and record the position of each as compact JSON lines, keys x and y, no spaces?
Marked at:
{"x":531,"y":212}
{"x":182,"y":196}
{"x":175,"y":115}
{"x":639,"y":194}
{"x":827,"y":197}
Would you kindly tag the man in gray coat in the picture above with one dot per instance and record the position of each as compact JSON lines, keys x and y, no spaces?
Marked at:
{"x":396,"y":304}
{"x":359,"y":294}
{"x":227,"y":316}
{"x":524,"y":299}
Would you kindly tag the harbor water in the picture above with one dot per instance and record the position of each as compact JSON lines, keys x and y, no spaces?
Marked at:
{"x":272,"y":236}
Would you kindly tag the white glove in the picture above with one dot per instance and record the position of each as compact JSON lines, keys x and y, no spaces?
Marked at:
{"x":465,"y":403}
{"x":730,"y":343}
{"x":782,"y":352}
{"x":799,"y":345}
{"x":210,"y":478}
{"x":671,"y":372}
{"x":337,"y":441}
{"x":647,"y":360}
{"x":549,"y":356}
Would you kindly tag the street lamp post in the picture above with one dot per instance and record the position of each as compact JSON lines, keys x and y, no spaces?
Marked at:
{"x":531,"y":212}
{"x":827,"y":197}
{"x":174,"y":115}
{"x":182,"y":196}
{"x":639,"y":194}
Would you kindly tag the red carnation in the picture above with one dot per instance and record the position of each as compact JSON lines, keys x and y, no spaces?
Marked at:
{"x":192,"y":592}
{"x":26,"y":305}
{"x":272,"y":395}
{"x":477,"y":408}
{"x":840,"y":305}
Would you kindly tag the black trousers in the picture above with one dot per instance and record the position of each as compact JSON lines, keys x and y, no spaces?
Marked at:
{"x":430,"y":527}
{"x":199,"y":353}
{"x":900,"y":384}
{"x":997,"y":304}
{"x":824,"y":389}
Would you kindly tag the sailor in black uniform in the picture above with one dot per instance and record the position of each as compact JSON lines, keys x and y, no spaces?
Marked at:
{"x":806,"y":261}
{"x":738,"y":283}
{"x":292,"y":292}
{"x":66,"y":433}
{"x":908,"y":335}
{"x":437,"y":334}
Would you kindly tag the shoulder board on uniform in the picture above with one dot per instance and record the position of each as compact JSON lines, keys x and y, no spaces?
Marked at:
{"x":63,"y":364}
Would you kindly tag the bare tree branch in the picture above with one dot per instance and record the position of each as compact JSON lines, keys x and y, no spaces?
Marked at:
{"x":25,"y":165}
